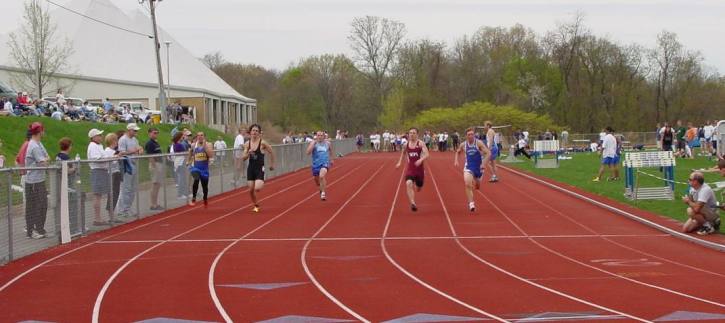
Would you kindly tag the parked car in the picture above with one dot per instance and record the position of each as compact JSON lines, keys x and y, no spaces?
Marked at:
{"x":8,"y":92}
{"x":138,"y":110}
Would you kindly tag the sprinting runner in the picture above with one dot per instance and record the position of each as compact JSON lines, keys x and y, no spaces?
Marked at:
{"x":491,"y":144}
{"x":473,"y":169}
{"x":255,"y":170}
{"x":321,"y":151}
{"x":201,"y":155}
{"x":416,"y":152}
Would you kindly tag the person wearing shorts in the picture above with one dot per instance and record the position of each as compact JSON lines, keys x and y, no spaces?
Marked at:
{"x":491,"y":144}
{"x":475,"y":151}
{"x":416,"y":152}
{"x":321,"y":152}
{"x":254,"y":152}
{"x":609,"y":156}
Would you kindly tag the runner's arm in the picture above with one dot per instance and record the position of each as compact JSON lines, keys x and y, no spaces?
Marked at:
{"x":269,"y":149}
{"x":458,"y":152}
{"x":209,"y":151}
{"x":245,"y":152}
{"x":332,"y":154}
{"x":310,"y":147}
{"x":484,"y":151}
{"x":423,"y":155}
{"x":402,"y":153}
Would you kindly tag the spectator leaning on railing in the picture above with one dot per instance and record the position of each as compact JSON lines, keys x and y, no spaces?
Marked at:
{"x":128,"y":146}
{"x":702,"y":207}
{"x":36,"y":205}
{"x":156,"y":168}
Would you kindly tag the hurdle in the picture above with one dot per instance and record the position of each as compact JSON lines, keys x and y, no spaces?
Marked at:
{"x":633,"y":161}
{"x":541,"y":148}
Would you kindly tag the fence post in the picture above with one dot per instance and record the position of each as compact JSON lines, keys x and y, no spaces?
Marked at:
{"x":164,"y":162}
{"x":137,"y":178}
{"x":64,"y":205}
{"x":10,"y":216}
{"x":80,"y":198}
{"x":221,"y":170}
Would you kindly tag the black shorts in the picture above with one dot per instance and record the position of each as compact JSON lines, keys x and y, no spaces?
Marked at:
{"x":255,"y":173}
{"x":418,"y":180}
{"x":681,"y":144}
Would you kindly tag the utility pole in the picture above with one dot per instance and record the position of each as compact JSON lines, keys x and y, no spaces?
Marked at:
{"x":168,"y":70}
{"x":157,"y":48}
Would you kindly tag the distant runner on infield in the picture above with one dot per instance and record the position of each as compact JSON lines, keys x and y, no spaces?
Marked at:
{"x":491,"y":144}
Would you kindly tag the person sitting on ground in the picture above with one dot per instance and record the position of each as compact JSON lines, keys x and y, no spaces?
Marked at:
{"x":702,"y":207}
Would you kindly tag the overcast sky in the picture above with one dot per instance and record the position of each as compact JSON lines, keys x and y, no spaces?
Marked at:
{"x":275,"y":33}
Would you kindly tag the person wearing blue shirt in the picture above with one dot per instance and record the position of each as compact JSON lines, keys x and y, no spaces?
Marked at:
{"x":321,"y":151}
{"x":476,"y":152}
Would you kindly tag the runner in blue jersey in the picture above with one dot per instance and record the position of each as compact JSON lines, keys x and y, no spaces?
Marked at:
{"x":476,"y":153}
{"x":202,"y":154}
{"x":321,"y":151}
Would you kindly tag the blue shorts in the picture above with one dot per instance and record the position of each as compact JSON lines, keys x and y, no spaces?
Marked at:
{"x":610,"y":161}
{"x":477,"y":173}
{"x":494,"y":153}
{"x":316,"y":168}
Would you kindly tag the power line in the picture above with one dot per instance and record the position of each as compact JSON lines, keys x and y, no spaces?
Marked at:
{"x":101,"y":22}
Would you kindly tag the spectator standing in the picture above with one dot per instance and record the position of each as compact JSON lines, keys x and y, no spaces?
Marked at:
{"x":128,"y":146}
{"x":668,"y":137}
{"x":111,"y":152}
{"x":681,"y":143}
{"x":156,"y":167}
{"x":107,"y":106}
{"x":36,"y":205}
{"x":65,"y":145}
{"x":7,"y":109}
{"x":658,"y":136}
{"x":609,"y":156}
{"x":239,"y":153}
{"x":219,"y":146}
{"x":180,"y":170}
{"x":100,"y":181}
{"x":708,"y":131}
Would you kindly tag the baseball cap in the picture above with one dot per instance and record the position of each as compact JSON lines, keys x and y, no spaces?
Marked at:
{"x":133,"y":126}
{"x":94,"y":132}
{"x":35,"y":128}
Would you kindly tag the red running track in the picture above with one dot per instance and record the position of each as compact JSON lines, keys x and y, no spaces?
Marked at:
{"x":529,"y":253}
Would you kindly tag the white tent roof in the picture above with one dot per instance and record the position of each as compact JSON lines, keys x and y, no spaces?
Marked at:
{"x":104,"y":52}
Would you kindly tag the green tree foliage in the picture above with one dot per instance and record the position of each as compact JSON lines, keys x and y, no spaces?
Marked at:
{"x":568,"y":76}
{"x":477,"y":113}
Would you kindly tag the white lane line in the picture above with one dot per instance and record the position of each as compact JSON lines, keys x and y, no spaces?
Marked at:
{"x":606,"y":237}
{"x":702,"y":242}
{"x":176,"y":213}
{"x":303,"y":255}
{"x":494,"y":237}
{"x":212,"y":268}
{"x":415,"y":278}
{"x":511,"y":274}
{"x":664,"y":289}
{"x":102,"y":293}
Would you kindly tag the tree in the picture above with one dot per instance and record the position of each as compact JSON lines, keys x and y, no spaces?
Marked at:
{"x":335,"y":77}
{"x":213,"y":60}
{"x":35,"y":51}
{"x":666,"y":58}
{"x":375,"y":41}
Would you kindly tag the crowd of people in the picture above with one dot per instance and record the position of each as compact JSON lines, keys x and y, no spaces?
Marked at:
{"x":683,"y":140}
{"x":63,"y":108}
{"x":113,"y":169}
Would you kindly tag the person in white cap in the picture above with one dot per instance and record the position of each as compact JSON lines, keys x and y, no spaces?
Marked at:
{"x":127,"y":146}
{"x":100,"y":184}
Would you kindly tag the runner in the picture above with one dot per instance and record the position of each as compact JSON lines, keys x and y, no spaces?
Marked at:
{"x":491,"y":144}
{"x":416,"y":152}
{"x":201,"y":155}
{"x":473,"y":169}
{"x":253,"y":150}
{"x":321,"y":151}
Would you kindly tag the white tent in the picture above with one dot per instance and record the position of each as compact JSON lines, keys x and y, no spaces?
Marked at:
{"x":108,"y":62}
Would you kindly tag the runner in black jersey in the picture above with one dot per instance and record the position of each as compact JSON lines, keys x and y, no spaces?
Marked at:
{"x":254,"y":152}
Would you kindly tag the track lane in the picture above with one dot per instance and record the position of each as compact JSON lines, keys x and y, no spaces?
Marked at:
{"x":302,"y":298}
{"x":663,"y":301}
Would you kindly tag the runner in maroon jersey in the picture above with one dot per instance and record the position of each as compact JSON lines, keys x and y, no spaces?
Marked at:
{"x":416,"y":152}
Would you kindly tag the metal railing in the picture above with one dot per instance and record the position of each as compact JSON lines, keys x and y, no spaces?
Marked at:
{"x":90,"y":196}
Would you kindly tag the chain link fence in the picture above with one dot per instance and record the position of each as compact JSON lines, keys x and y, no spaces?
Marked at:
{"x":97,"y":195}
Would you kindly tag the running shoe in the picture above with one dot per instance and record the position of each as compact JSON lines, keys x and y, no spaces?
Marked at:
{"x":323,"y":196}
{"x":206,"y":203}
{"x":413,"y":207}
{"x":256,"y":209}
{"x":472,"y":207}
{"x":192,"y":202}
{"x":493,"y":179}
{"x":37,"y":235}
{"x":596,"y":179}
{"x":706,"y":229}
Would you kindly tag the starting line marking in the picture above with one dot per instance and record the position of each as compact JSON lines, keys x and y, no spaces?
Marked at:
{"x":398,"y":238}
